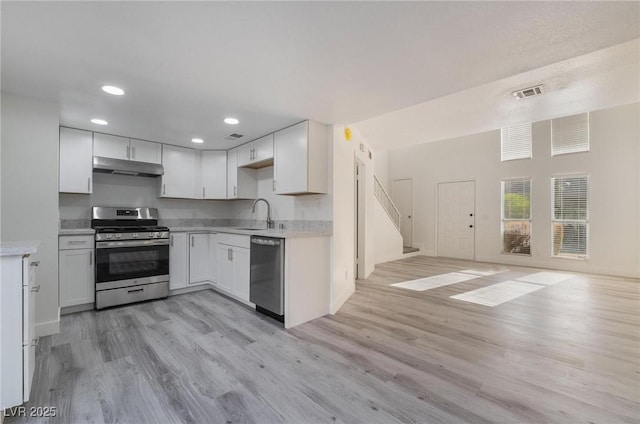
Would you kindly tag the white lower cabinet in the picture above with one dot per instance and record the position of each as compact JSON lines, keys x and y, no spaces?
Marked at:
{"x":76,"y":270}
{"x":17,"y":329}
{"x":198,"y":258}
{"x":178,"y":261}
{"x":233,"y":268}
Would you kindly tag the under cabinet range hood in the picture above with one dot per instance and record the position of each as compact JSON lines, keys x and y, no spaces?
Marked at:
{"x":126,"y":167}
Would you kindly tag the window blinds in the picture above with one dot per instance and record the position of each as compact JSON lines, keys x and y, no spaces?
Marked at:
{"x":570,"y":134}
{"x":570,"y":215}
{"x":516,"y":142}
{"x":516,"y":216}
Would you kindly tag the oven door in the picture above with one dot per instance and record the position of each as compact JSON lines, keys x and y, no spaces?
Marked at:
{"x":131,"y":262}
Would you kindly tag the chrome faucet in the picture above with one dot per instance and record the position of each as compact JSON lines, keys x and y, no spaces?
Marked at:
{"x":253,"y":210}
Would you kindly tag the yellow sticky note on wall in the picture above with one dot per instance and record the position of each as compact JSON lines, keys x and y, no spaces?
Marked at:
{"x":347,"y":134}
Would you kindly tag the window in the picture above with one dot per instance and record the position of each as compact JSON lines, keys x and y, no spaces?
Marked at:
{"x":570,"y":216}
{"x":516,"y":216}
{"x":515,"y":142}
{"x":570,"y":134}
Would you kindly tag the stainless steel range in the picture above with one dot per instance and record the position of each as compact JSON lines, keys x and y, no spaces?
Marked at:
{"x":132,"y":256}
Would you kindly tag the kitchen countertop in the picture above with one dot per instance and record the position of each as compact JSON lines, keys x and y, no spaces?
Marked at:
{"x":18,"y":248}
{"x":274,"y":232}
{"x":76,"y":231}
{"x":231,"y":230}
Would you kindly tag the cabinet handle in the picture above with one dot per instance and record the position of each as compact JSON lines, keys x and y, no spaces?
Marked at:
{"x":192,"y":245}
{"x":89,"y":184}
{"x":90,"y":260}
{"x":164,"y":189}
{"x":235,"y":191}
{"x":76,"y":242}
{"x":171,"y":241}
{"x":128,"y":155}
{"x":35,"y":263}
{"x":133,"y":153}
{"x":203,"y":196}
{"x":35,"y":289}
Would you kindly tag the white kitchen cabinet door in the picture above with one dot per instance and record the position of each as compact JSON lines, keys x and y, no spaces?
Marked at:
{"x":77,"y":280}
{"x":198,"y":258}
{"x":111,"y":146}
{"x":241,"y":182}
{"x":245,"y":154}
{"x":214,"y":174}
{"x":213,"y":258}
{"x":146,"y":151}
{"x":225,"y":268}
{"x":178,"y":261}
{"x":76,"y":161}
{"x":232,"y":174}
{"x":263,"y":149}
{"x":241,"y":268}
{"x":257,"y":154}
{"x":180,"y":168}
{"x":301,"y":159}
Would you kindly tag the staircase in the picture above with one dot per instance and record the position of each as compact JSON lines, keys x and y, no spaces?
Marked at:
{"x":386,"y":202}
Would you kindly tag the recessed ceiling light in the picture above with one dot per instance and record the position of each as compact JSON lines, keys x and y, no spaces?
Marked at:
{"x":197,"y":140}
{"x":231,"y":121}
{"x":116,"y":91}
{"x":99,"y":121}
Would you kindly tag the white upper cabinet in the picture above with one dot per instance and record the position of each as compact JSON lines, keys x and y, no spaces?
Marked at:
{"x":111,"y":146}
{"x":257,"y":154}
{"x":241,"y":182}
{"x":214,"y":174}
{"x":301,"y":154}
{"x":145,"y":151}
{"x":76,"y":161}
{"x":181,"y":172}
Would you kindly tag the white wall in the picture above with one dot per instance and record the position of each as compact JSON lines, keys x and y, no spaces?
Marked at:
{"x":344,"y":154}
{"x":387,"y":238}
{"x":30,"y":193}
{"x":124,"y":190}
{"x":312,"y":207}
{"x":613,"y":164}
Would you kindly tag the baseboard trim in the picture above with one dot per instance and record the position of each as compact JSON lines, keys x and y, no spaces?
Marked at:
{"x":202,"y":286}
{"x":337,"y":303}
{"x":48,"y":328}
{"x":77,"y":308}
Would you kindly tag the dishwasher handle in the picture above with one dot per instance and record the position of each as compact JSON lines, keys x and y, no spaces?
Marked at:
{"x":265,"y":241}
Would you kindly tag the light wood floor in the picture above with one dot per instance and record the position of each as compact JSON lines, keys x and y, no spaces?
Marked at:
{"x":569,"y":353}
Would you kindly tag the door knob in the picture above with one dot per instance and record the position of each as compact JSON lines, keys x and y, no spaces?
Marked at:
{"x":470,"y":226}
{"x":409,"y":216}
{"x":470,"y":214}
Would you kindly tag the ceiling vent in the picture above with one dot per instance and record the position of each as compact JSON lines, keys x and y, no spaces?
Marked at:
{"x":234,"y":136}
{"x":528,"y":92}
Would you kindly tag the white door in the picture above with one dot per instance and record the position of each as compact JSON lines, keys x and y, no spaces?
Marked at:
{"x":76,"y":161}
{"x":198,"y":258}
{"x":232,"y":174}
{"x":225,"y":268}
{"x":290,"y":167}
{"x":263,"y":148}
{"x":214,"y":174}
{"x":241,"y":267}
{"x":402,"y":196}
{"x":111,"y":146}
{"x":456,"y":219}
{"x":146,"y":151}
{"x":178,"y":261}
{"x":180,"y":166}
{"x":76,"y":277}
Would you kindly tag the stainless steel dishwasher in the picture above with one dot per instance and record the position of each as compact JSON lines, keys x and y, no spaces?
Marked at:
{"x":266,"y":289}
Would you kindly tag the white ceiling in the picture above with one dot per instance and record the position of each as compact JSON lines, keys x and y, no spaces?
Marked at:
{"x":598,"y":80}
{"x":187,"y":65}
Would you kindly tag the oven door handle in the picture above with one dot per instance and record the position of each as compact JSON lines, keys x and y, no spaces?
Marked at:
{"x":131,"y":243}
